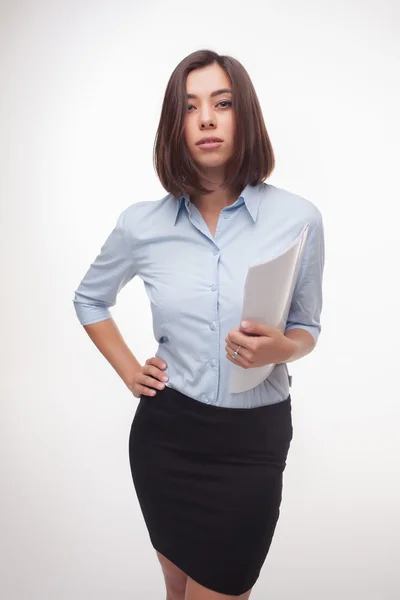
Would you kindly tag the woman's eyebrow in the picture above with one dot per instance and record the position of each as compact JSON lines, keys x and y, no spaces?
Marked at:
{"x":216,"y":93}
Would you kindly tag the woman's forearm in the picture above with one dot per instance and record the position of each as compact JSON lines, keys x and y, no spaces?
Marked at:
{"x":305,"y":343}
{"x":108,"y":339}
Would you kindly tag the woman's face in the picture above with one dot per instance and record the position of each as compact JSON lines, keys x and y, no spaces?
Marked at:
{"x":209,"y":116}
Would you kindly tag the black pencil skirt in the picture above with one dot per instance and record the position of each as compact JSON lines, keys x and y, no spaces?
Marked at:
{"x":209,"y":483}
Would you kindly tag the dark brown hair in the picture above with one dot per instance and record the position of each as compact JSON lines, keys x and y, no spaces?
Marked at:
{"x":252,"y":160}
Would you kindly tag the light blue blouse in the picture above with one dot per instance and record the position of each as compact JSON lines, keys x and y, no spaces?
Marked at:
{"x":195,"y":282}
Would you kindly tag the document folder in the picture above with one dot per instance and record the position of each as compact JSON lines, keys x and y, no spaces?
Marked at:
{"x":268,"y":293}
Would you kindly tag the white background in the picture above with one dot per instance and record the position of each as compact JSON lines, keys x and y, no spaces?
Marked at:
{"x":81,"y":90}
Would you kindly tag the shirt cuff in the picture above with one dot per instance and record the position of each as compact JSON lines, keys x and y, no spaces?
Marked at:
{"x":313,"y":329}
{"x":88,"y":314}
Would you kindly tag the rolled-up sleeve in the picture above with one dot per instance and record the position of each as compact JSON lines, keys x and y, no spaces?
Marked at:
{"x":112,"y":269}
{"x":306,"y":306}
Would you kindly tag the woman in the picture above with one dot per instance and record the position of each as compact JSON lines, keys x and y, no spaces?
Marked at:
{"x":207,"y":465}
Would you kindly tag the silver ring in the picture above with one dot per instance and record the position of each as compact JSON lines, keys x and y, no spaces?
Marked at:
{"x":235,"y":354}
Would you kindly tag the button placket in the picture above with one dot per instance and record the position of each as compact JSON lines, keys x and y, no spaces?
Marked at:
{"x":208,"y":399}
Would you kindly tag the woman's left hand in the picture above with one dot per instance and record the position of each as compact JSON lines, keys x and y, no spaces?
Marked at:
{"x":265,"y":345}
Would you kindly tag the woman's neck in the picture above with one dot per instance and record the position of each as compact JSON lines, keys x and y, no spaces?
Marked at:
{"x":219,"y":198}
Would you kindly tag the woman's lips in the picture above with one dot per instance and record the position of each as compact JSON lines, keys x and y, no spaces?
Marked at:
{"x":209,"y":145}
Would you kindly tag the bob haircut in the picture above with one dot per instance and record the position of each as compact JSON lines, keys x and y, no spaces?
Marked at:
{"x":252,"y":160}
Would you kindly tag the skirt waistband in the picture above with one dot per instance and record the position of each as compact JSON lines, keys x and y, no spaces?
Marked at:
{"x":190,"y":424}
{"x":170,"y":399}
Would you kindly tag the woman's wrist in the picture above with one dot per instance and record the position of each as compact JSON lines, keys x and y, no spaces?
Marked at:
{"x":303,"y":343}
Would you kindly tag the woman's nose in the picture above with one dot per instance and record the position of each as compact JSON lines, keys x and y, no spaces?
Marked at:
{"x":207,"y":119}
{"x":207,"y":122}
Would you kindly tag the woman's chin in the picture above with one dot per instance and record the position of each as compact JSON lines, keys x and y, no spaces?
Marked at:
{"x":213,"y":163}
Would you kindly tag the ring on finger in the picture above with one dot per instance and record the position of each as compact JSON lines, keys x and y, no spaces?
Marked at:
{"x":235,"y":354}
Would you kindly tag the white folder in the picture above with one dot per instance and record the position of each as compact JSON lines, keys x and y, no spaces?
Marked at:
{"x":267,"y":297}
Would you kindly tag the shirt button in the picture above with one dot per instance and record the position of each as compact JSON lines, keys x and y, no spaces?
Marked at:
{"x":212,"y":326}
{"x":213,"y":287}
{"x":215,"y":251}
{"x":226,"y":216}
{"x":212,"y":362}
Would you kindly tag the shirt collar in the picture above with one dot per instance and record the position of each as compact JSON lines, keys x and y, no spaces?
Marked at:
{"x":250,"y":195}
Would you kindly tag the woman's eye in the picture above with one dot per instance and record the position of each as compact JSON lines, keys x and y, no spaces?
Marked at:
{"x":226,"y":102}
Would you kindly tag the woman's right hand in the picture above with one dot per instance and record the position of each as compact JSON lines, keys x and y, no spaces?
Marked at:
{"x":150,"y":376}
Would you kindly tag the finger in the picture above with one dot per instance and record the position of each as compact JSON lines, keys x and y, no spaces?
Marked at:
{"x":236,"y":361}
{"x":145,"y":391}
{"x":157,"y":362}
{"x":155,"y":372}
{"x":239,"y":360}
{"x":246,"y":354}
{"x":236,"y":338}
{"x":150,"y":382}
